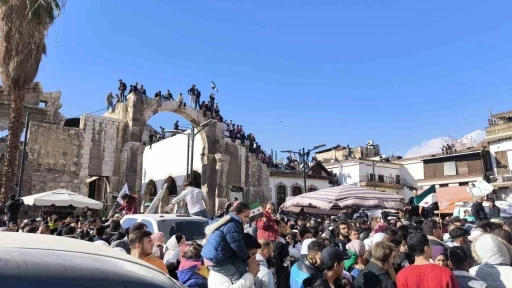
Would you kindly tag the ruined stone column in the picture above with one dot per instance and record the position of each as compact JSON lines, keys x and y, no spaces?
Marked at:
{"x":222,"y":173}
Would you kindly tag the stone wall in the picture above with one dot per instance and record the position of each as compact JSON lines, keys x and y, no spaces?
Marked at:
{"x":54,"y":154}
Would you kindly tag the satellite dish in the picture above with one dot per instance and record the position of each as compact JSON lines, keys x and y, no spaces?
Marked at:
{"x":480,"y":188}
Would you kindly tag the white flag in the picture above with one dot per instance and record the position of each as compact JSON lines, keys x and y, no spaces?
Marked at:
{"x":123,"y":191}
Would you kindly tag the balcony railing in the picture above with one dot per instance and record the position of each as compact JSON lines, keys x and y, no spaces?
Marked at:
{"x":369,"y":180}
{"x":497,"y":129}
{"x":499,"y":178}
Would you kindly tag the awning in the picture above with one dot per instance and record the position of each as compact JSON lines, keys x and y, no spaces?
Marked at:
{"x":447,"y":196}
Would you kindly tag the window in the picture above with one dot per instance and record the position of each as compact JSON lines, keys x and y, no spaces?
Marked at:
{"x":450,"y":168}
{"x":312,"y":188}
{"x":380,"y":178}
{"x":148,"y":223}
{"x":463,"y":183}
{"x":443,"y":185}
{"x":397,"y":179}
{"x":280,"y":194}
{"x":296,"y":190}
{"x":193,"y":230}
{"x":372,"y":177}
{"x":43,"y":104}
{"x":128,"y":222}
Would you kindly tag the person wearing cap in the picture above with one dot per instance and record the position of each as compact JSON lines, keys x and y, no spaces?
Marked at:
{"x":332,"y":261}
{"x":376,"y":274}
{"x":494,"y":211}
{"x":309,"y":267}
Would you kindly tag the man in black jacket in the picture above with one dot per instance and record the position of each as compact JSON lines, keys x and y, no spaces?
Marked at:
{"x":494,"y":211}
{"x":332,"y":260}
{"x":12,"y":208}
{"x":478,"y":210}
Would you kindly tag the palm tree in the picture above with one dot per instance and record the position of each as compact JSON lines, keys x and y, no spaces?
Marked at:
{"x":24,"y":25}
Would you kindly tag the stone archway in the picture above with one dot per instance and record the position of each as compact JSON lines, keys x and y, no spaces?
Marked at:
{"x":171,"y":191}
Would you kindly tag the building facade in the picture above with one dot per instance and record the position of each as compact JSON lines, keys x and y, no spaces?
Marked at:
{"x":341,"y":153}
{"x":378,"y":175}
{"x":499,"y":141}
{"x":289,"y":183}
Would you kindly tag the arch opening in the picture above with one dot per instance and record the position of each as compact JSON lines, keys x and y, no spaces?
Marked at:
{"x":172,"y":188}
{"x":280,"y":194}
{"x":296,"y":190}
{"x":151,"y":190}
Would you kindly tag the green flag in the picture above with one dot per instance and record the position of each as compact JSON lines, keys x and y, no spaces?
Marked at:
{"x":256,"y":211}
{"x":418,"y":199}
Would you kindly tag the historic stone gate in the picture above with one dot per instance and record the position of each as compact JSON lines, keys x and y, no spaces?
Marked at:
{"x":111,"y":146}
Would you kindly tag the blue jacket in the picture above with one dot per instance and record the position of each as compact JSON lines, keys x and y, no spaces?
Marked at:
{"x":191,"y":279}
{"x":303,"y":274}
{"x":225,"y":242}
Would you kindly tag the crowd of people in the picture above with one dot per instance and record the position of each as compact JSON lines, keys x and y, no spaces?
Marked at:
{"x":244,"y":249}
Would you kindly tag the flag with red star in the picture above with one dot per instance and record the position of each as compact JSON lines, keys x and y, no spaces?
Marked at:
{"x":256,"y":211}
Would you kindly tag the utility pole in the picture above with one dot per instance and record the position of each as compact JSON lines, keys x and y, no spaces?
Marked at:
{"x":23,"y":152}
{"x":302,"y":156}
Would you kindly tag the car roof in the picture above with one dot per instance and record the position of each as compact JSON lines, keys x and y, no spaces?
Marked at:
{"x":167,"y":217}
{"x":47,"y":260}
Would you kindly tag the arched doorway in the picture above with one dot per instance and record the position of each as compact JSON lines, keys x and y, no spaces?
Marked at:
{"x":280,"y":194}
{"x":196,"y":179}
{"x":150,"y":191}
{"x":312,"y":188}
{"x":296,"y":190}
{"x":172,"y":189}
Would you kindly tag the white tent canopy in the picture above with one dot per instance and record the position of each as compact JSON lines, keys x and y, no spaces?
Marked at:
{"x":62,"y":197}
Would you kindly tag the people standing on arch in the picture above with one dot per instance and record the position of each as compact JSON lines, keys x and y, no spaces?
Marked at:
{"x":180,"y":100}
{"x":192,"y":92}
{"x":198,"y":99}
{"x":110,"y":102}
{"x":122,"y":90}
{"x":195,"y":198}
{"x":168,"y":95}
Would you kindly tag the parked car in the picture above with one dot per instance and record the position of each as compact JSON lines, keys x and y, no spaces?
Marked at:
{"x":47,"y":261}
{"x":169,"y":224}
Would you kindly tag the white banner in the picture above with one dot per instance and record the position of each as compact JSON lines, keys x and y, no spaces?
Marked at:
{"x":123,"y":191}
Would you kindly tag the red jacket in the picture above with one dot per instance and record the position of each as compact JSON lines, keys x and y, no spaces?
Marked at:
{"x":130,"y":206}
{"x":267,"y":230}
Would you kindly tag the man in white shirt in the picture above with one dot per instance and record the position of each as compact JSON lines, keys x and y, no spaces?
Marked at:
{"x":195,"y":198}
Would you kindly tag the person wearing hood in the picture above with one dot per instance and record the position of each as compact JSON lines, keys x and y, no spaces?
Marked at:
{"x":172,"y":255}
{"x":267,"y":227}
{"x":459,"y":260}
{"x":129,"y":204}
{"x":12,"y":208}
{"x":265,"y":255}
{"x":494,"y":257}
{"x":309,"y":267}
{"x":281,"y":271}
{"x":191,"y":272}
{"x":356,"y":250}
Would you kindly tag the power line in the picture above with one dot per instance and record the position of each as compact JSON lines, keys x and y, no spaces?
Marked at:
{"x":90,"y":112}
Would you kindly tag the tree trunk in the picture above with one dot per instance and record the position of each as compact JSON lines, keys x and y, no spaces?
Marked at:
{"x":10,"y":170}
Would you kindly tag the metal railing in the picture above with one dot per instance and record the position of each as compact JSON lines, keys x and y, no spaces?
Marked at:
{"x":383,"y":179}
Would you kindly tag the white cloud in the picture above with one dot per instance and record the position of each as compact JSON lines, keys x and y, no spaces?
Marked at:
{"x":434,"y":145}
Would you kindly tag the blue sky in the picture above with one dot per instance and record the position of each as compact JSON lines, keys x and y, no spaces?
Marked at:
{"x":296,"y":73}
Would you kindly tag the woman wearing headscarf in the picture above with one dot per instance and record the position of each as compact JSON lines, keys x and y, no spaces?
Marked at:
{"x":440,"y":256}
{"x":174,"y":246}
{"x":493,"y":256}
{"x":356,"y":250}
{"x":158,"y":245}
